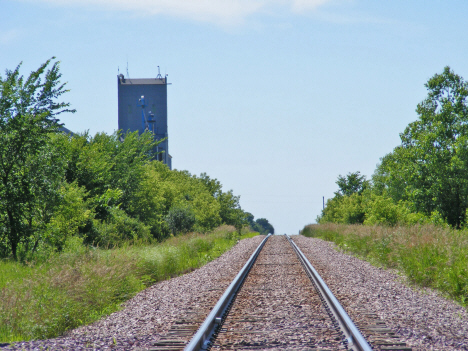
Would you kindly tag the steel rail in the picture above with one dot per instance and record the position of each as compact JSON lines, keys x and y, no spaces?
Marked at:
{"x":202,"y":338}
{"x":353,"y":336}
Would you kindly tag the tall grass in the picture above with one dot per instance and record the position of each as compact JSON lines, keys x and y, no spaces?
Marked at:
{"x":81,"y":285}
{"x":428,"y":255}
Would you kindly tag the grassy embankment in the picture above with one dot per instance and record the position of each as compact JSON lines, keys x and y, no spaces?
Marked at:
{"x":81,"y":284}
{"x":429,"y":256}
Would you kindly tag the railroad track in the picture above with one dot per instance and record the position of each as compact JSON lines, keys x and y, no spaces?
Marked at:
{"x":271,"y":304}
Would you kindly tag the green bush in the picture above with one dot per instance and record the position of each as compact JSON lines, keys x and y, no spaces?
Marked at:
{"x":371,"y":209}
{"x":344,"y":209}
{"x":72,"y":213}
{"x":180,"y":220}
{"x":119,"y":228}
{"x":108,"y":189}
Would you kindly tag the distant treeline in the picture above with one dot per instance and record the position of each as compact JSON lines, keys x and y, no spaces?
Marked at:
{"x":425,"y":179}
{"x":103,"y":189}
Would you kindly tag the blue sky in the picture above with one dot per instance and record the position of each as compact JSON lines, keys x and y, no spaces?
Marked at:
{"x":274,"y":98}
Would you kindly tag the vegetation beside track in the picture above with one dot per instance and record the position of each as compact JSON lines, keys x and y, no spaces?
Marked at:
{"x":424,"y":180}
{"x":82,"y":284}
{"x":103,"y":190}
{"x":430,"y":256}
{"x":64,"y":197}
{"x":412,"y":214}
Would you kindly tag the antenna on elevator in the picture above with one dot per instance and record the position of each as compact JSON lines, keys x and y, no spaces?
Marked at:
{"x":159,"y":76}
{"x":128,"y":76}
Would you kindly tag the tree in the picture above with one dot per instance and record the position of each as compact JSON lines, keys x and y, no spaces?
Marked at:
{"x":261,"y":225}
{"x":106,"y":163}
{"x":347,"y":205}
{"x":351,"y":184}
{"x":250,"y":219}
{"x":265,"y":226}
{"x":430,"y":167}
{"x":180,"y":219}
{"x":230,"y":210}
{"x":213,"y":185}
{"x":28,"y":110}
{"x":344,"y":209}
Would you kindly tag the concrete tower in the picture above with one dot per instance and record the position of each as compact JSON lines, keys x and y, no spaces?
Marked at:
{"x":143,"y":105}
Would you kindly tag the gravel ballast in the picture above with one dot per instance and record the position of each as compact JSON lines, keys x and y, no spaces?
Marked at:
{"x":278,"y":308}
{"x":423,"y":318}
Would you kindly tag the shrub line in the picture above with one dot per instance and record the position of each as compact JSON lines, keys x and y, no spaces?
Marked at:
{"x":429,"y":256}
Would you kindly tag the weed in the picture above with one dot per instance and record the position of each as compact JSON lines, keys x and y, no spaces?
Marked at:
{"x":430,"y":256}
{"x":81,"y":285}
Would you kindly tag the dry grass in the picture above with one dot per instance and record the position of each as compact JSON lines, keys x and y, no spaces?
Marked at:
{"x":430,"y":256}
{"x":82,"y":285}
{"x":65,"y":292}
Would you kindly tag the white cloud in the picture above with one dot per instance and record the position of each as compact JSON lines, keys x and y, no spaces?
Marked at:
{"x":224,"y":12}
{"x":306,"y":5}
{"x":9,"y":36}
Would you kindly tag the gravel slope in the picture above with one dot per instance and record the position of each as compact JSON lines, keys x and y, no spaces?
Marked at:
{"x":424,"y":319}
